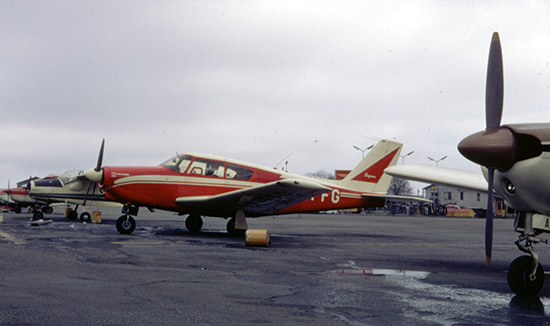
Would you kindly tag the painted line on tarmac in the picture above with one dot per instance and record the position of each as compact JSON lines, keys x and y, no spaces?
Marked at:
{"x":9,"y":237}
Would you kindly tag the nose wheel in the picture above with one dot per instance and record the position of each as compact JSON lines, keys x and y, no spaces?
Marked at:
{"x":520,"y":277}
{"x":125,"y":224}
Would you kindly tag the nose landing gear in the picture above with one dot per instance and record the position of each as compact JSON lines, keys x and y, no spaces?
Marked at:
{"x":525,"y":274}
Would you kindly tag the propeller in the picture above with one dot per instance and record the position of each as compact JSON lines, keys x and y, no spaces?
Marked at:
{"x":494,"y":148}
{"x":100,"y":158}
{"x":96,"y":174}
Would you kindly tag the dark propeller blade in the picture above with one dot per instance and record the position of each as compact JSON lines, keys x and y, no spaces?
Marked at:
{"x":494,"y":97}
{"x":489,"y":220}
{"x":495,"y":85}
{"x":100,"y":158}
{"x":28,"y":186}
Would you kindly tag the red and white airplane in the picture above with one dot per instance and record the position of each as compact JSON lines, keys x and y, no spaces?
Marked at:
{"x":207,"y":185}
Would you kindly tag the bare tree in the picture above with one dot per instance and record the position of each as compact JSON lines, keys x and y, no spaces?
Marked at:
{"x":399,"y":186}
{"x":320,"y":174}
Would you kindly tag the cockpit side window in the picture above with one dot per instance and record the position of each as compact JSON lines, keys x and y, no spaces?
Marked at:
{"x":178,"y":163}
{"x":70,"y":176}
{"x":238,"y":172}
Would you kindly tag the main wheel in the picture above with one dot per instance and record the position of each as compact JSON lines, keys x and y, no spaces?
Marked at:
{"x":37,"y":215}
{"x":519,"y":280}
{"x":47,"y":209}
{"x":193,"y":223}
{"x":86,"y":217}
{"x":231,"y":229}
{"x":72,"y":215}
{"x":125,"y":224}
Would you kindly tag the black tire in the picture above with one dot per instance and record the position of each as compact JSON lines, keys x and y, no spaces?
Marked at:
{"x":518,"y":277}
{"x":17,"y":209}
{"x":85,"y":217}
{"x":232,"y":231}
{"x":72,"y":215}
{"x":193,"y":223}
{"x":47,"y":209}
{"x":125,"y":224}
{"x":37,"y":215}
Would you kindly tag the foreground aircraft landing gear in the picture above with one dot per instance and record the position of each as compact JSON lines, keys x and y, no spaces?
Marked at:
{"x":520,"y":279}
{"x":525,"y":274}
{"x":193,"y":223}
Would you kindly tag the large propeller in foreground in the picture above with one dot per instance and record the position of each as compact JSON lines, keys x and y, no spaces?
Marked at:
{"x":494,"y":148}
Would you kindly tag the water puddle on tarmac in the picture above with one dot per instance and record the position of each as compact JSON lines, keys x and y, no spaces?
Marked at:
{"x":450,"y":304}
{"x":352,"y":269}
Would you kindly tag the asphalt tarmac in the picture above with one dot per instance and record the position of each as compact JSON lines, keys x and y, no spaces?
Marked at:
{"x":321,"y":269}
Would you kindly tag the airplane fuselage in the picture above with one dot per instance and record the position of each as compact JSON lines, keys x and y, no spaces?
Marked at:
{"x":158,"y":187}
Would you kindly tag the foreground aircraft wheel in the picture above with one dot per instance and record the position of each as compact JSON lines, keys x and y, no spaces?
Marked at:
{"x":37,"y":215}
{"x":72,"y":215}
{"x":518,"y":277}
{"x":193,"y":223}
{"x":17,"y":209}
{"x":86,"y":217}
{"x":125,"y":224}
{"x":231,"y":229}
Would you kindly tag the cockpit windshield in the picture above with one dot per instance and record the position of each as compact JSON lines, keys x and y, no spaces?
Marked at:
{"x":178,"y":163}
{"x":70,"y":176}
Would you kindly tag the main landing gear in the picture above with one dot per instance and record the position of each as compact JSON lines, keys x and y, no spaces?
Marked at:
{"x":38,"y":212}
{"x":236,"y":226}
{"x":525,"y":274}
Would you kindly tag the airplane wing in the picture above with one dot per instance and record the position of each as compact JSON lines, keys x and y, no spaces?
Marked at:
{"x":398,"y":198}
{"x":264,"y":199}
{"x":441,"y":176}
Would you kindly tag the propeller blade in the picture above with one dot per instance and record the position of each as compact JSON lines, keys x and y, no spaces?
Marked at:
{"x":494,"y":93}
{"x":489,"y":219}
{"x":100,"y":158}
{"x":87,"y":192}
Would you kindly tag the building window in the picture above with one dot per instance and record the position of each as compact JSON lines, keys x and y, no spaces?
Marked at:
{"x":478,"y":197}
{"x":448,"y":195}
{"x":462,"y":195}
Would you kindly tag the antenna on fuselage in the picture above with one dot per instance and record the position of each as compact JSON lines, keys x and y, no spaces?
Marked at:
{"x":281,"y":161}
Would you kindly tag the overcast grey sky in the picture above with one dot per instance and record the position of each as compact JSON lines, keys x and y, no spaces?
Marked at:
{"x":258,"y":80}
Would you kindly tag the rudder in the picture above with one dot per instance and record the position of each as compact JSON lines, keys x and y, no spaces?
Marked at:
{"x":369,"y":174}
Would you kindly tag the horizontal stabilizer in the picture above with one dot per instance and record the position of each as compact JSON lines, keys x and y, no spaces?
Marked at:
{"x":440,"y":176}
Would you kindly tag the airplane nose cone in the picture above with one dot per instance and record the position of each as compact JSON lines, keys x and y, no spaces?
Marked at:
{"x":494,"y":148}
{"x":93,"y":175}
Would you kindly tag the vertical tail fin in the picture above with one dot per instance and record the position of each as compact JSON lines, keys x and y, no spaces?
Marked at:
{"x":369,"y":174}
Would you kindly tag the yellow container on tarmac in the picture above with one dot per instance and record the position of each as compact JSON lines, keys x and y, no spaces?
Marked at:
{"x":257,"y":238}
